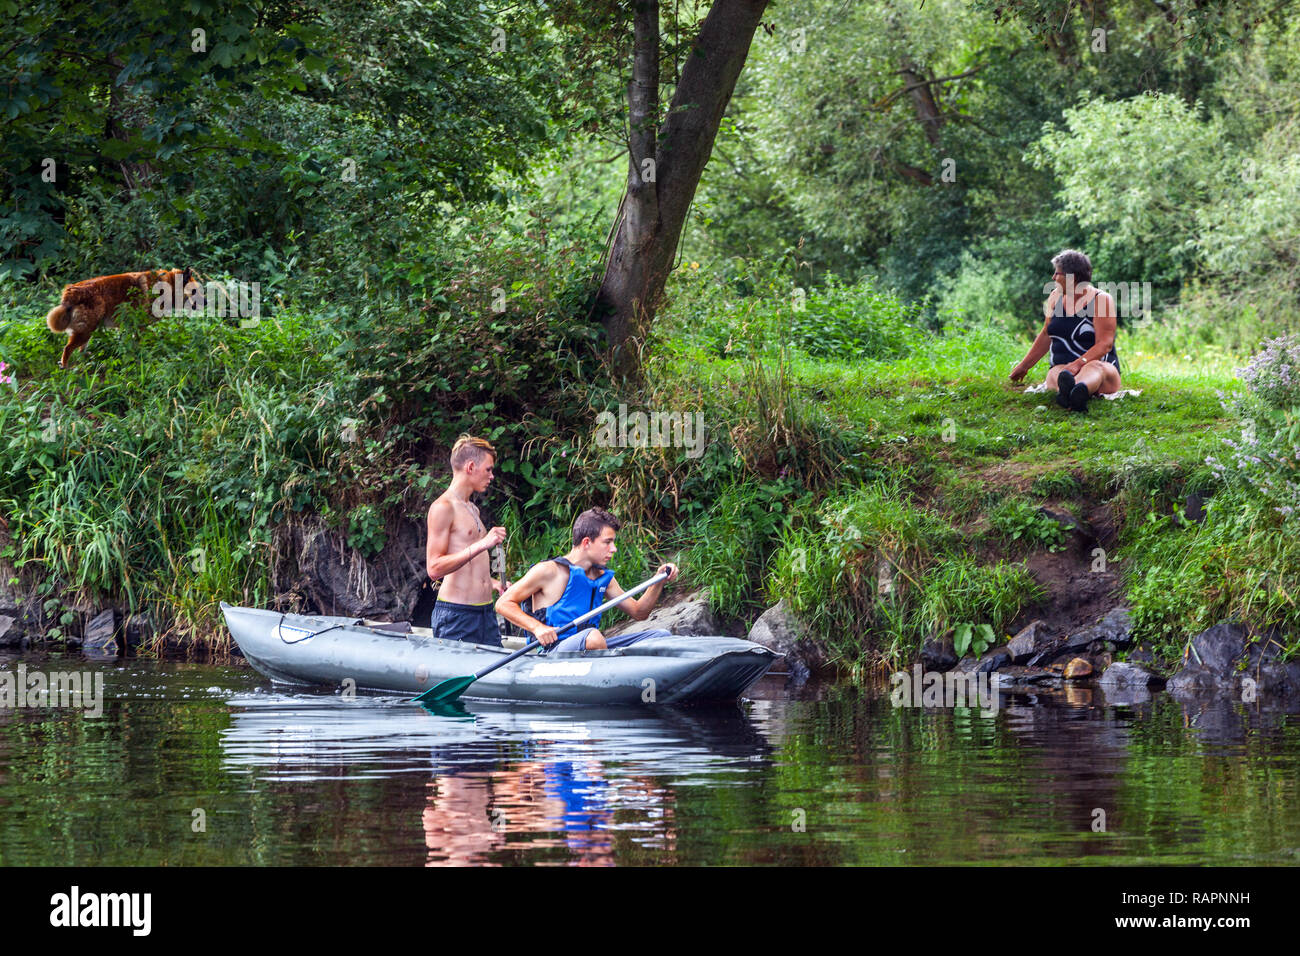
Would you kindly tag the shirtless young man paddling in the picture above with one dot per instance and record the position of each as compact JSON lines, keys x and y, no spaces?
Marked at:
{"x":563,"y":589}
{"x":458,"y":550}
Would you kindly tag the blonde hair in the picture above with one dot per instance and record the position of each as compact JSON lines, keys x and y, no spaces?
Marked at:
{"x":467,"y":449}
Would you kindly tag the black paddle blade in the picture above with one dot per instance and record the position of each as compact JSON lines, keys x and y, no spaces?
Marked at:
{"x":446,"y":691}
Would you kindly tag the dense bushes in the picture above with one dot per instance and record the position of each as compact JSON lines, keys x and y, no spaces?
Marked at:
{"x":156,"y":469}
{"x":750,"y":307}
{"x":854,"y":322}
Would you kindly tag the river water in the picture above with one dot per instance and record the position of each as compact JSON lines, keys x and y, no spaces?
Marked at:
{"x":192,"y":764}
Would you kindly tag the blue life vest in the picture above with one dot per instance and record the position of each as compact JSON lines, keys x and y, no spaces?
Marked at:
{"x":581,"y":594}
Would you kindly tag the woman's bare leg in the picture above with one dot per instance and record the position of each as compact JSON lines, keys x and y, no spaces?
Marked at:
{"x":1099,"y":377}
{"x":1051,"y":376}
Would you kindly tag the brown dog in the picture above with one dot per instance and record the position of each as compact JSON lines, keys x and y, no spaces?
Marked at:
{"x":88,"y":303}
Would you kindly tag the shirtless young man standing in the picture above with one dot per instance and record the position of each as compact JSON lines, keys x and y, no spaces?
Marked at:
{"x":458,"y":550}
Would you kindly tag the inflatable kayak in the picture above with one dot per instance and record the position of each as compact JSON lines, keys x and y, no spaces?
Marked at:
{"x":328,"y":651}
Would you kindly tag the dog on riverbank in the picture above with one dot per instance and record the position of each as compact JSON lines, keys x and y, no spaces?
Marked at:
{"x":85,"y":305}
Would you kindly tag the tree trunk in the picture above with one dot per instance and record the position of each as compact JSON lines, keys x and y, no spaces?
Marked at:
{"x":924,"y":103}
{"x":665,"y":165}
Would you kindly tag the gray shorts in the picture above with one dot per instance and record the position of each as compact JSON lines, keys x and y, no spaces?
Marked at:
{"x":578,"y":642}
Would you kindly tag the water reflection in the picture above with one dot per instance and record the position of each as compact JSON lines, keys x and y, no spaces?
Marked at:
{"x":825,"y":774}
{"x":505,"y":775}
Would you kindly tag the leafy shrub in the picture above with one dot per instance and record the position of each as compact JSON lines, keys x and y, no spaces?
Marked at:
{"x":1267,"y":459}
{"x":366,"y":530}
{"x":1250,"y":264}
{"x":980,"y":289}
{"x":1135,"y":171}
{"x":1000,"y":279}
{"x":851,"y":322}
{"x":1019,"y":520}
{"x":739,"y":309}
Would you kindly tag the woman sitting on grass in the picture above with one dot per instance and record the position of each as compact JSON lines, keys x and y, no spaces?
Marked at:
{"x":1079,"y":327}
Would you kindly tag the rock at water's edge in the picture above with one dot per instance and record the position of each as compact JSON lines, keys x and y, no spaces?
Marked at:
{"x":100,"y":638}
{"x":691,"y":615}
{"x":1031,"y":639}
{"x":1077,"y":668}
{"x":937,"y":655}
{"x":778,"y":630}
{"x":1211,"y":664}
{"x":1114,"y":628}
{"x":1121,"y":674}
{"x":1228,"y":663}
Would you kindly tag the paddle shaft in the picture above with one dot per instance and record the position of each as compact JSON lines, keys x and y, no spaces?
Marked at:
{"x":574,"y":623}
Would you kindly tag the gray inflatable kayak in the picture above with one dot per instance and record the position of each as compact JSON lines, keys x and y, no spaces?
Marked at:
{"x":328,"y":651}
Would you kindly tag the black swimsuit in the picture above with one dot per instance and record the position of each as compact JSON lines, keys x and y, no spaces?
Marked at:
{"x":1073,"y":335}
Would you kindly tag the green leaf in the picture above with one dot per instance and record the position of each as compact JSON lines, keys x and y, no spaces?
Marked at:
{"x":961,"y":639}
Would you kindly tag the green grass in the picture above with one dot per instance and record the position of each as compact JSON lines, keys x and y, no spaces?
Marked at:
{"x":1234,"y":565}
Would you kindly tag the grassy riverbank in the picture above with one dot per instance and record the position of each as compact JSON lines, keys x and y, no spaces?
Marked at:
{"x":946,"y":462}
{"x":866,"y":460}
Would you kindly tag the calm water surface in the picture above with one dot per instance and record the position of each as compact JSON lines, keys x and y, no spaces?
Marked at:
{"x":205,"y":764}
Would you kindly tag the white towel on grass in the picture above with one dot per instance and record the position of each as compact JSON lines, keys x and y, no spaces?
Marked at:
{"x":1042,"y":387}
